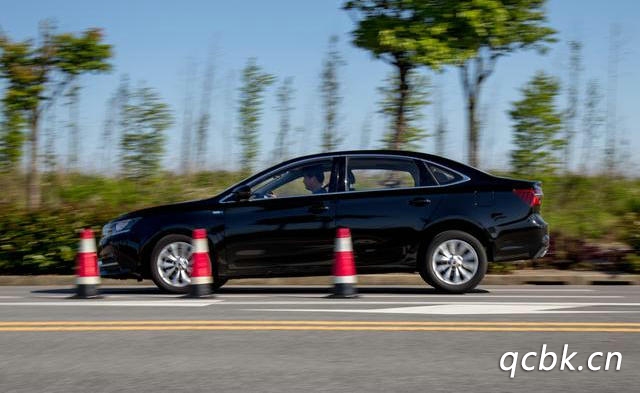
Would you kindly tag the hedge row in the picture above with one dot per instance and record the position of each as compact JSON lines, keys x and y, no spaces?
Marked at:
{"x":595,"y":221}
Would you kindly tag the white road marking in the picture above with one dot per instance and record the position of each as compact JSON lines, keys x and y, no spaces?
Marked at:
{"x":480,"y":296}
{"x":469,"y":309}
{"x":322,"y":295}
{"x":536,"y":290}
{"x":423,"y":303}
{"x":103,"y":303}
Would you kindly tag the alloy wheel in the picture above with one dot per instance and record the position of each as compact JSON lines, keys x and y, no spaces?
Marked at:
{"x":174,"y":264}
{"x":454,"y":262}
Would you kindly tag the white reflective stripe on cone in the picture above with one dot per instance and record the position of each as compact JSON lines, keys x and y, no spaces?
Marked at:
{"x":343,"y":244}
{"x":200,"y":245}
{"x":201,"y":280}
{"x":94,"y":280}
{"x":344,"y":280}
{"x":87,"y":245}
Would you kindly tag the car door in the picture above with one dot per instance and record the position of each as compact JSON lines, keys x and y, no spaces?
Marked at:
{"x":387,"y":205}
{"x":283,"y":228}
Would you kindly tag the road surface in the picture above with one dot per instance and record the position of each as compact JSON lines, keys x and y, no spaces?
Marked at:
{"x":294,"y":339}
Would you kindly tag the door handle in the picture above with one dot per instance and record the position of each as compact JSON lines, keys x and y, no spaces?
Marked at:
{"x":318,"y":209}
{"x":420,"y":202}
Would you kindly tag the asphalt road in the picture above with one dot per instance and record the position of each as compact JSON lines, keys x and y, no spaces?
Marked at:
{"x":294,"y":339}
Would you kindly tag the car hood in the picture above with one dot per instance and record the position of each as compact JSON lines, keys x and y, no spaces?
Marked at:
{"x":171,"y":208}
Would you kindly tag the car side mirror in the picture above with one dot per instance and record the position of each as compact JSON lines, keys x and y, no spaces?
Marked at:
{"x":242,"y":193}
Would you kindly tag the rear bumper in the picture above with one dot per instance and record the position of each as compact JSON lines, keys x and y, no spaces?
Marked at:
{"x":525,"y":239}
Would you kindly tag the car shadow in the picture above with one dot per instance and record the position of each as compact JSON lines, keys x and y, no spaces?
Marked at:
{"x":125,"y":290}
{"x":262,"y":290}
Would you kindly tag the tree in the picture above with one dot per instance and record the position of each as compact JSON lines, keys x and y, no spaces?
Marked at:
{"x":330,"y":92}
{"x":284,"y":107}
{"x":406,"y":34}
{"x":537,"y":125}
{"x":11,"y":140}
{"x":413,"y":104}
{"x":611,"y":118}
{"x":482,"y":31}
{"x":365,"y":131}
{"x":204,"y":119}
{"x":38,"y":73}
{"x":114,"y":122}
{"x":573,"y":98}
{"x":441,"y":121}
{"x":142,"y":143}
{"x":73,"y":98}
{"x":187,"y":118}
{"x":254,"y":82}
{"x":592,"y":120}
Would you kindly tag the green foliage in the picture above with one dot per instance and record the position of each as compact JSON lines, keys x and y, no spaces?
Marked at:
{"x":471,"y":34}
{"x":537,"y":125}
{"x":414,"y":104}
{"x":254,"y":82}
{"x":41,"y":242}
{"x":632,"y":225}
{"x":330,"y":92}
{"x":84,"y":53}
{"x":45,"y":242}
{"x":142,"y":144}
{"x":37,"y":75}
{"x":405,"y":33}
{"x":597,"y":209}
{"x":11,"y":141}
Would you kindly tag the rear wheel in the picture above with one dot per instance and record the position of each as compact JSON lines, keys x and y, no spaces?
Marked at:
{"x":455,"y":262}
{"x":170,"y":264}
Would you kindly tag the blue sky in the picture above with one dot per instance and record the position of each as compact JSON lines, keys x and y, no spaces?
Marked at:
{"x":154,"y":41}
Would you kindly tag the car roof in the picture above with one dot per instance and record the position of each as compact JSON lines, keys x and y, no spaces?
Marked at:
{"x":404,"y":153}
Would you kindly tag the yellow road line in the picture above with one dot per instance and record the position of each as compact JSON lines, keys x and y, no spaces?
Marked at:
{"x":415,"y":326}
{"x":316,"y":328}
{"x":319,"y":322}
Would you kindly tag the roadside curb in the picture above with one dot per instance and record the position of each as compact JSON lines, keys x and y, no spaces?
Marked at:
{"x":521,"y":277}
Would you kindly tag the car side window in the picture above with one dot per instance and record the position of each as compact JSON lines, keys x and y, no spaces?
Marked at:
{"x":380,"y":173}
{"x":304,"y":179}
{"x":443,"y":175}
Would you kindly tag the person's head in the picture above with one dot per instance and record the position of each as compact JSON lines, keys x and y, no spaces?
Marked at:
{"x":313,"y":178}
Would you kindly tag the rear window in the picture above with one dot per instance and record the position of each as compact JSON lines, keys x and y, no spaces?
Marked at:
{"x":367,"y":174}
{"x":444,"y":175}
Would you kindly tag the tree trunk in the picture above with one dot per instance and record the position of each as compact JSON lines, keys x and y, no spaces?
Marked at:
{"x":33,"y":183}
{"x":402,"y":101}
{"x":472,"y":125}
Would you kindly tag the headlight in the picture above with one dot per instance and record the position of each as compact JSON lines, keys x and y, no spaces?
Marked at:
{"x":116,"y":227}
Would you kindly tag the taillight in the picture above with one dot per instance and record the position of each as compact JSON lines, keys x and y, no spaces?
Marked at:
{"x":530,"y":196}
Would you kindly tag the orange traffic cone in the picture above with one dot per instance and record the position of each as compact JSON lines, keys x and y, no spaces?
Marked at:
{"x":344,"y":268}
{"x":201,"y":278}
{"x":87,"y":273}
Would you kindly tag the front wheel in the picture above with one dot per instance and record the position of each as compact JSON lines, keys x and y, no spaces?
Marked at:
{"x":455,"y":262}
{"x":171,"y":264}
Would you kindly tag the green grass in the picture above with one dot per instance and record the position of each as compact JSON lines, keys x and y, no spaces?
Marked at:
{"x":596,"y":209}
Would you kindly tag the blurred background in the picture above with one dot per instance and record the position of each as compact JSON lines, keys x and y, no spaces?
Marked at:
{"x":109,"y":107}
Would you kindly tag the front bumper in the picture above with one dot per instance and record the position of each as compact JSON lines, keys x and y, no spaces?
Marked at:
{"x":118,"y":257}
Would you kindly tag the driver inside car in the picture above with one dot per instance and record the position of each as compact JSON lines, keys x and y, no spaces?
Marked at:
{"x":313,"y":178}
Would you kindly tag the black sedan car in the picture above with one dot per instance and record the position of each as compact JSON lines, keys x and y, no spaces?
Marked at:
{"x":408,"y":212}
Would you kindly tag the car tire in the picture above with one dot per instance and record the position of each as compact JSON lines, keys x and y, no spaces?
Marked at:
{"x":454,"y":262}
{"x":170,"y":264}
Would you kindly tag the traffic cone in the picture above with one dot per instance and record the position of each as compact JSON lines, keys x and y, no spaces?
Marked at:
{"x":87,"y":273}
{"x":201,"y":278}
{"x":344,"y":268}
